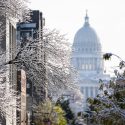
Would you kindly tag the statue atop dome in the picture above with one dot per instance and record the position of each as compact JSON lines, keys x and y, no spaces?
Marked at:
{"x":86,"y":19}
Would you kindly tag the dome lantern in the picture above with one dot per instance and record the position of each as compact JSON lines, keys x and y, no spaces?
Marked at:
{"x":86,"y":19}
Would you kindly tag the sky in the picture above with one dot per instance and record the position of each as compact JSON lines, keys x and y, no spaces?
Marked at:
{"x":107,"y":17}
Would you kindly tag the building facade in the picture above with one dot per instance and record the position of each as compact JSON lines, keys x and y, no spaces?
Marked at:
{"x":8,"y":45}
{"x":87,"y":59}
{"x":33,"y":30}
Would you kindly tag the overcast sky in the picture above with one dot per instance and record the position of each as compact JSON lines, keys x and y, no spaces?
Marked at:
{"x":107,"y":17}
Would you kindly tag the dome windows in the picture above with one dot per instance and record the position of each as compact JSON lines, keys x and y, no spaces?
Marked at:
{"x":86,"y":67}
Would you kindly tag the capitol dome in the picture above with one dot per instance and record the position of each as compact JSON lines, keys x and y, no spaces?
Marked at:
{"x":87,"y":59}
{"x":87,"y":55}
{"x":86,"y":38}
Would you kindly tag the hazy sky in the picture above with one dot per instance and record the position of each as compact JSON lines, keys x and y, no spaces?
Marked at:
{"x":107,"y":17}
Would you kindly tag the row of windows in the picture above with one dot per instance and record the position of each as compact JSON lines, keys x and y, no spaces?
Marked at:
{"x":82,"y":60}
{"x":87,"y":66}
{"x":85,"y":50}
{"x":87,"y":63}
{"x":85,"y":59}
{"x":87,"y":43}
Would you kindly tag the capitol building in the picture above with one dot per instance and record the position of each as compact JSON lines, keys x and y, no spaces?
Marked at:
{"x":87,"y":60}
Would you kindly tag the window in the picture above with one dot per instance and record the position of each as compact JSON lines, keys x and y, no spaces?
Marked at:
{"x":82,"y":49}
{"x":90,"y":66}
{"x":86,"y":66}
{"x":86,"y":92}
{"x":86,"y":49}
{"x":28,"y":85}
{"x":90,"y":49}
{"x":83,"y":66}
{"x":78,"y":49}
{"x":91,"y":91}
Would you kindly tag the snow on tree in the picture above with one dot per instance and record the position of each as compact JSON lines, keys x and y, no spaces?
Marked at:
{"x":10,"y":12}
{"x":8,"y":95}
{"x":14,"y":9}
{"x":108,"y":108}
{"x":53,"y":66}
{"x":45,"y":59}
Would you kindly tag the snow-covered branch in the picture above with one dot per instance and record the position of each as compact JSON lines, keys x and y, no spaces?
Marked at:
{"x":14,"y":9}
{"x":109,"y":105}
{"x":46,"y":61}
